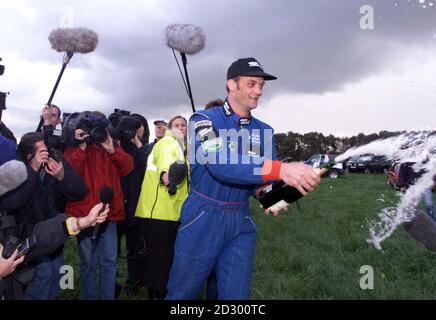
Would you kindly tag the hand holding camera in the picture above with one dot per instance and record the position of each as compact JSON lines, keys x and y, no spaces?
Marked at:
{"x":55,"y":169}
{"x":136,"y":141}
{"x":108,"y":145}
{"x":39,"y":158}
{"x":81,"y":135}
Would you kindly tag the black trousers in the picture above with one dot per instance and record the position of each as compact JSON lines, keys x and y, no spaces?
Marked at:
{"x":130,"y":232}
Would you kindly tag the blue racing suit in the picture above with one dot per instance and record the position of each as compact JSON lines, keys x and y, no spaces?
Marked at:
{"x":217,"y":234}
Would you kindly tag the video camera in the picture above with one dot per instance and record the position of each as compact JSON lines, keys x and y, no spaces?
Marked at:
{"x":94,"y":125}
{"x":123,"y":125}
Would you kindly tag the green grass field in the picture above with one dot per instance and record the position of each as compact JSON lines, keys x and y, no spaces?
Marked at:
{"x":317,"y":253}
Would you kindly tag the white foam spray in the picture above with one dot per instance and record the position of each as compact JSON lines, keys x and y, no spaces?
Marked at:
{"x":417,"y":147}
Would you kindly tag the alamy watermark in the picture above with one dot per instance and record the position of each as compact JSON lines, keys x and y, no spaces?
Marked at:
{"x":67,"y":279}
{"x":367,"y":20}
{"x":367,"y":280}
{"x":229,"y":146}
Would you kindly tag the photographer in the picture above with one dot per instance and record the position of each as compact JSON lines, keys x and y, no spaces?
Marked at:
{"x":132,"y":132}
{"x":42,"y":196}
{"x":101,"y":162}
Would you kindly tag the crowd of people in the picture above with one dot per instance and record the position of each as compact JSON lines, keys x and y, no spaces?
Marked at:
{"x":181,"y":202}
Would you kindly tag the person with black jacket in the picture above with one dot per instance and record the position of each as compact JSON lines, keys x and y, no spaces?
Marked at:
{"x":42,"y":196}
{"x":131,"y":185}
{"x":50,"y":234}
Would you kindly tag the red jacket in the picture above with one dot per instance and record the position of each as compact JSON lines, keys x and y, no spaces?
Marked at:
{"x":99,"y":169}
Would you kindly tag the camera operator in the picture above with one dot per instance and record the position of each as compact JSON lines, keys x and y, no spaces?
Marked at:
{"x":42,"y":196}
{"x":101,"y":162}
{"x":133,"y":133}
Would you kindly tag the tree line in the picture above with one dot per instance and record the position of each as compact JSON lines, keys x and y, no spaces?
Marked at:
{"x":301,"y":146}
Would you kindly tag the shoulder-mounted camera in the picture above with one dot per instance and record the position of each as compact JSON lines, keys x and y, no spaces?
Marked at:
{"x":123,"y":125}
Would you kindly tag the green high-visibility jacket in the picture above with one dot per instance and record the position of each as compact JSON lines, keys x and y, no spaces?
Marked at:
{"x":154,"y":201}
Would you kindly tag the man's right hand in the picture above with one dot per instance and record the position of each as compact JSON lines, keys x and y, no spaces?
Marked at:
{"x":7,"y":266}
{"x":299,"y":175}
{"x":40,"y":157}
{"x":94,"y":216}
{"x":46,"y":114}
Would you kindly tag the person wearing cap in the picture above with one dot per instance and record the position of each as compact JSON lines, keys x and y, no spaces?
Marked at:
{"x":160,"y":127}
{"x":231,"y":154}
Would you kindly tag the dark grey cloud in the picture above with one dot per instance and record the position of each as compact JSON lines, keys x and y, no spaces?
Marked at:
{"x":313,"y":46}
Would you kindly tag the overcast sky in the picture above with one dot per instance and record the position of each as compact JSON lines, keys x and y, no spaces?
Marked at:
{"x":333,"y":76}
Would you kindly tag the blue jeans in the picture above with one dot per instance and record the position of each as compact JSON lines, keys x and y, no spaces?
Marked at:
{"x":45,"y":283}
{"x":104,"y":251}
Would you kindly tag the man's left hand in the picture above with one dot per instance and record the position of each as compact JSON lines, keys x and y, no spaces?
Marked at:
{"x":275,"y":212}
{"x":55,"y":169}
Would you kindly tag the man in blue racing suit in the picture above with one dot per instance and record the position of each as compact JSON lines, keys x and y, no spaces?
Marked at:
{"x":231,"y":154}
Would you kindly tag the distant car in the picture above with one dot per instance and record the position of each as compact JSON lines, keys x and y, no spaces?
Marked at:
{"x":394,"y":175}
{"x":317,"y":160}
{"x":369,"y":163}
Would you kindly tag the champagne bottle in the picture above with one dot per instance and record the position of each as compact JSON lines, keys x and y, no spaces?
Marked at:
{"x":279,"y":195}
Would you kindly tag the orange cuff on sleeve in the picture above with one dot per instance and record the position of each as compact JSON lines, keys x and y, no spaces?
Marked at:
{"x":271,"y":170}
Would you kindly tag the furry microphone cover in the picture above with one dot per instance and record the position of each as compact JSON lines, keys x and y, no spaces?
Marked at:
{"x":79,"y":40}
{"x":185,"y":38}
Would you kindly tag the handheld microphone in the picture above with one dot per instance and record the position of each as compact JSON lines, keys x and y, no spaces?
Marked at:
{"x":106,"y":196}
{"x":12,"y":174}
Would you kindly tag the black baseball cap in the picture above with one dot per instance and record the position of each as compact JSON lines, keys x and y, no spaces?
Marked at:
{"x":249,"y":67}
{"x":160,"y":121}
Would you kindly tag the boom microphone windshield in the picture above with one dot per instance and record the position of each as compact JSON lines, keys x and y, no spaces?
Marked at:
{"x":187,"y":39}
{"x":79,"y":40}
{"x":70,"y":41}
